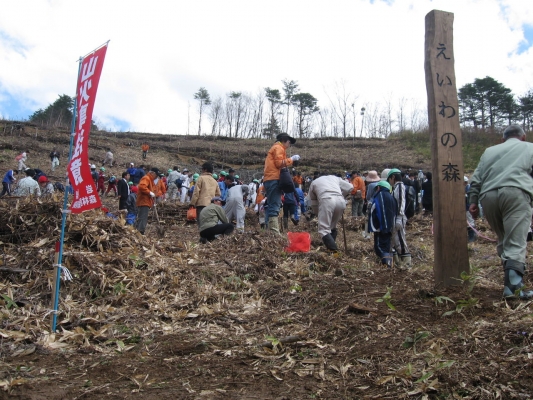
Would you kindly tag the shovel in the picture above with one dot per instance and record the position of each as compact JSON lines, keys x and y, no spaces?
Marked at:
{"x":160,"y":229}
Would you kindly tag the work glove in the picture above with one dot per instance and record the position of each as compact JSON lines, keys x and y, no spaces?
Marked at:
{"x":295,"y":157}
{"x":152,"y":194}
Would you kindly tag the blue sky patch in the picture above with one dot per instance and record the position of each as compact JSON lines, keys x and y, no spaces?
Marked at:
{"x":13,"y":108}
{"x":528,"y":42}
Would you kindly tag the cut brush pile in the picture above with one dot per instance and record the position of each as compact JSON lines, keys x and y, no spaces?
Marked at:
{"x":239,"y":317}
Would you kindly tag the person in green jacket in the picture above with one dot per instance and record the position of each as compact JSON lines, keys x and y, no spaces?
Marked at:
{"x":209,"y":221}
{"x":502,"y":182}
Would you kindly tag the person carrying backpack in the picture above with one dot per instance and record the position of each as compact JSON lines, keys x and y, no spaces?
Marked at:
{"x":399,"y":243}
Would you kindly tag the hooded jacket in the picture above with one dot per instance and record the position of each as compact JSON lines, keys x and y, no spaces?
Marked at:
{"x":275,"y":160}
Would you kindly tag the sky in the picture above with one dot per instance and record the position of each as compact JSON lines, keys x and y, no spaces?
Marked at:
{"x":161,"y":52}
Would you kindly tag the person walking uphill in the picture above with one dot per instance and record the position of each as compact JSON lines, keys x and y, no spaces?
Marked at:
{"x":275,"y":160}
{"x":358,"y":194}
{"x":54,"y":158}
{"x":145,"y":147}
{"x":381,"y":221}
{"x":502,"y":182}
{"x":327,"y":195}
{"x":145,"y":198}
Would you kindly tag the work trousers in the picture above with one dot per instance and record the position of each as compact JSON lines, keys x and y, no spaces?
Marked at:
{"x":183,"y":195}
{"x":219,"y":229}
{"x":273,"y":195}
{"x":382,"y":245}
{"x":508,"y":211}
{"x":398,"y":235}
{"x":142,"y":218}
{"x":357,"y":207}
{"x":235,"y":211}
{"x":6,"y":189}
{"x":55,"y":163}
{"x":172,"y":191}
{"x":330,"y":210}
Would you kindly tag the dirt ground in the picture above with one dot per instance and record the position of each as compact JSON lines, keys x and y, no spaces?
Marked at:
{"x":226,"y":307}
{"x":241,"y":318}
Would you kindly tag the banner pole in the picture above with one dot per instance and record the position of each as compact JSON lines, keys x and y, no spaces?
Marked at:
{"x":57,"y":268}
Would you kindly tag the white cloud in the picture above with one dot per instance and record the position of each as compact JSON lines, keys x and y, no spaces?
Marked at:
{"x":161,"y":52}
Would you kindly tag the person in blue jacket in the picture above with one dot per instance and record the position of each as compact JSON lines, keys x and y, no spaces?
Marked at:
{"x":9,"y":179}
{"x":381,"y":221}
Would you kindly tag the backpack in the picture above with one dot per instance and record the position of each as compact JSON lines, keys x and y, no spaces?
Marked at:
{"x":179,"y":183}
{"x":112,"y":179}
{"x":410,"y":202}
{"x":59,"y":187}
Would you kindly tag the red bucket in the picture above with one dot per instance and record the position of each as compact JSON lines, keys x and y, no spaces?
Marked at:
{"x":299,"y":242}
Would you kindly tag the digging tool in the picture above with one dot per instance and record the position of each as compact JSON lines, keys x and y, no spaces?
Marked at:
{"x":160,"y":229}
{"x":344,"y":234}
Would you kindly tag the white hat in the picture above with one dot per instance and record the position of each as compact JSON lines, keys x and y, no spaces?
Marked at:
{"x":93,"y":166}
{"x":465,"y":178}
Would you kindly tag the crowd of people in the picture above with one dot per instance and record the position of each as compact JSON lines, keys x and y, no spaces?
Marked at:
{"x":386,"y":201}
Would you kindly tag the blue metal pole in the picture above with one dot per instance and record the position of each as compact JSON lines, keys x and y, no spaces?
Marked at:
{"x":65,"y":203}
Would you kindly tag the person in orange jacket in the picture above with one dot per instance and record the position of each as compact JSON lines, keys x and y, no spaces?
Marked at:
{"x":160,"y":188}
{"x":298,"y":179}
{"x":145,"y":147}
{"x":358,"y":194}
{"x":276,"y":160}
{"x":145,"y":198}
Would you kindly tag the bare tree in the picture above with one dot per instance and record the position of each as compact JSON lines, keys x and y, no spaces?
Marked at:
{"x":290,"y":88}
{"x":400,"y":114}
{"x":341,"y":104}
{"x":215,"y":114}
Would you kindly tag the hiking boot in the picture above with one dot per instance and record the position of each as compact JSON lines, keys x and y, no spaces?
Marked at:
{"x":329,"y":241}
{"x":334,"y":234}
{"x":513,"y":285}
{"x":295,"y":221}
{"x":286,"y":224}
{"x":203,"y":240}
{"x":405,"y":260}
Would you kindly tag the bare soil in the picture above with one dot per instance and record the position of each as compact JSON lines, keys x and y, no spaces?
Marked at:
{"x":241,"y":318}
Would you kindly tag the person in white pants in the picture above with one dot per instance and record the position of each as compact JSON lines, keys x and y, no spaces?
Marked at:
{"x":327,"y":195}
{"x":235,"y":205}
{"x":185,"y":185}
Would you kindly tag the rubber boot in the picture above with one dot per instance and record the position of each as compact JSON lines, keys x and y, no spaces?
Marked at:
{"x":262,"y":226}
{"x":396,"y":258}
{"x":334,"y":234}
{"x":329,"y":242}
{"x":386,"y":260}
{"x":273,"y":224}
{"x":513,"y":284}
{"x":405,"y":260}
{"x":285,"y":224}
{"x":471,"y":235}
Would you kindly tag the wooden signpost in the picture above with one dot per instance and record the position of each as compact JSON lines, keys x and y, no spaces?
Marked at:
{"x":449,"y":212}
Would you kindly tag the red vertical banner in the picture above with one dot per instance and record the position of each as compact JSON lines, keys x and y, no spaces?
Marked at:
{"x":79,"y":170}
